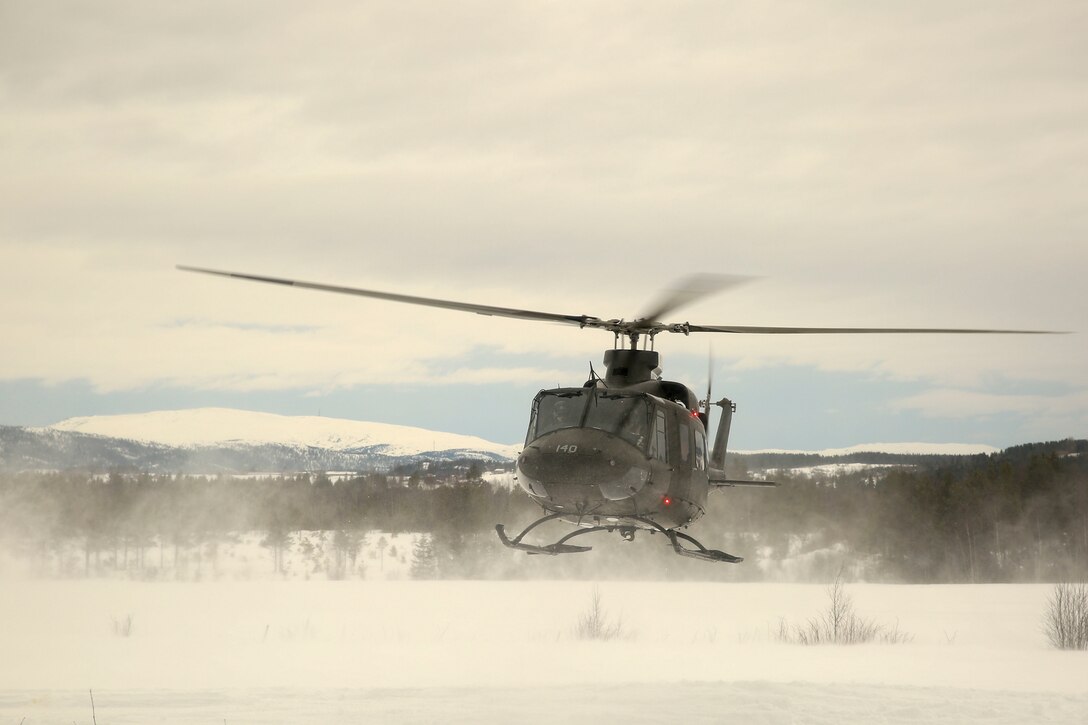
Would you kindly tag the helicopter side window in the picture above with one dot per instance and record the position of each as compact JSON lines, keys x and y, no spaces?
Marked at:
{"x":685,"y":441}
{"x":659,"y":445}
{"x":531,"y":433}
{"x":700,"y":449}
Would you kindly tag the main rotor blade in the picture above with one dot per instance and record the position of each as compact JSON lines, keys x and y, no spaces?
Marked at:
{"x":580,"y":320}
{"x":688,"y":290}
{"x":760,"y":330}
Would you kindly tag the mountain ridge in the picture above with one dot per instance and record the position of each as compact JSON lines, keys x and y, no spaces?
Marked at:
{"x":204,"y":427}
{"x":216,"y":426}
{"x":909,"y":449}
{"x":227,"y":440}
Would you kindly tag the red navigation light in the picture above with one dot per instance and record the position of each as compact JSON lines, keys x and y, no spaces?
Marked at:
{"x":667,"y":501}
{"x":694,"y":414}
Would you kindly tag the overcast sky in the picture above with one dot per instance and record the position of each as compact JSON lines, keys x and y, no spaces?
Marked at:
{"x":875,"y":164}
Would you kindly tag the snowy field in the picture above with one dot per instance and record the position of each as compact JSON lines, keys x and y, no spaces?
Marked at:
{"x":363,"y":651}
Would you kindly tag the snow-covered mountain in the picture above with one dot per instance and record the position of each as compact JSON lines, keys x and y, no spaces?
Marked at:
{"x":212,"y":440}
{"x":203,"y":427}
{"x":874,"y":457}
{"x":220,"y":440}
{"x":903,"y":449}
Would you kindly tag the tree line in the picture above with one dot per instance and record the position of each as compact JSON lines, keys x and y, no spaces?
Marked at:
{"x":1021,"y":515}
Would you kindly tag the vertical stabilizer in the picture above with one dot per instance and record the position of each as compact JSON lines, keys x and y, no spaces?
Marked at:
{"x":721,"y":438}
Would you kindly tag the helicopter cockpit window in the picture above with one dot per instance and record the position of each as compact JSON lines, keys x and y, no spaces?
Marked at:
{"x":623,"y":415}
{"x":558,"y":410}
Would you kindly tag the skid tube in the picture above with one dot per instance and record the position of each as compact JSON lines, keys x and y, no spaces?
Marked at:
{"x":562,"y":547}
{"x":559,"y":547}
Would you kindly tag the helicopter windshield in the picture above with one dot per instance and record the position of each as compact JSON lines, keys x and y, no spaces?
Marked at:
{"x":624,"y":415}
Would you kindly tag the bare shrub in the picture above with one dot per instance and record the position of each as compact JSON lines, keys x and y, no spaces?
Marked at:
{"x":840,"y":624}
{"x":595,"y":624}
{"x":122,"y":627}
{"x":1066,"y":619}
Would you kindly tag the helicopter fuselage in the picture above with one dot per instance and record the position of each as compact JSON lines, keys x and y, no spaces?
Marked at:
{"x":623,"y":457}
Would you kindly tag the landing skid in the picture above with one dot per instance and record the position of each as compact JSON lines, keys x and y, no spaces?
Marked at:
{"x":562,"y":547}
{"x":559,"y":547}
{"x":702,"y":552}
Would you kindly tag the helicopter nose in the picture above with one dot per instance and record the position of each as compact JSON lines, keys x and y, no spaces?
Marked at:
{"x":571,"y":461}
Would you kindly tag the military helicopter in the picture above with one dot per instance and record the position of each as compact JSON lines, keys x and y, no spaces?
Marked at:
{"x":628,"y":451}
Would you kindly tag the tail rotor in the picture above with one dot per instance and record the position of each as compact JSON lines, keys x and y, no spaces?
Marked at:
{"x":705,"y":414}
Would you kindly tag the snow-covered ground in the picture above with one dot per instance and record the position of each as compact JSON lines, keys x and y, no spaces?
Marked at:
{"x":830,"y":469}
{"x":500,"y":478}
{"x":359,"y":651}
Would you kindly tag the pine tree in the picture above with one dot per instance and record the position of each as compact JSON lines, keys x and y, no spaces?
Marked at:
{"x":424,"y":558}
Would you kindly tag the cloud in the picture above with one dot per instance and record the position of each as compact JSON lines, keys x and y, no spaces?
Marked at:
{"x":1037,"y":415}
{"x":954,"y":403}
{"x":921,"y":165}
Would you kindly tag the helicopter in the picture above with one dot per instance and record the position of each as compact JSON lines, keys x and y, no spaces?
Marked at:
{"x":629,"y":451}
